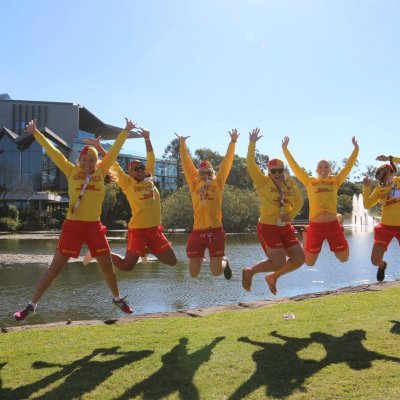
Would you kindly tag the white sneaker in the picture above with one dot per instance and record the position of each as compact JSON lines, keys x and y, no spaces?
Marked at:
{"x":87,"y":258}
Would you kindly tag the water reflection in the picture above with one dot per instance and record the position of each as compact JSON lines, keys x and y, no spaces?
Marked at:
{"x":80,"y":292}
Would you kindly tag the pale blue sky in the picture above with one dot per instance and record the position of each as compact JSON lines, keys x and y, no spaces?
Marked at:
{"x":319,"y":71}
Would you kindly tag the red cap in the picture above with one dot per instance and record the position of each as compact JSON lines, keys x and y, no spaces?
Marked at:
{"x":88,"y":150}
{"x":205,"y":165}
{"x":275,"y":163}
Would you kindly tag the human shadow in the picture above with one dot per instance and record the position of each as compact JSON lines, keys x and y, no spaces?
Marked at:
{"x":282,"y":371}
{"x":79,"y":377}
{"x":348,"y":349}
{"x":175,"y":375}
{"x":278,"y":367}
{"x":3,"y":392}
{"x":395,"y":328}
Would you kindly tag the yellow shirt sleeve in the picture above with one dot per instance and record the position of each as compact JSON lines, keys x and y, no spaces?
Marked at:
{"x":112,"y":154}
{"x":369,"y":200}
{"x":298,"y":171}
{"x":151,"y":162}
{"x":342,"y":175}
{"x":396,"y":160}
{"x":188,"y":167}
{"x":56,"y":156}
{"x":226,"y":165}
{"x":253,"y":169}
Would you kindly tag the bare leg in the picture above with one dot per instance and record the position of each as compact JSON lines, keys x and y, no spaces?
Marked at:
{"x":216,"y":266}
{"x":343,"y":256}
{"x":57,"y":265}
{"x":125,"y":264}
{"x":106,"y":268}
{"x":167,"y":257}
{"x":377,"y":256}
{"x":311,"y":258}
{"x":295,"y":260}
{"x":195,"y":265}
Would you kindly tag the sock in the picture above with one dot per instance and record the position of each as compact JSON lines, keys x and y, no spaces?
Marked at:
{"x":117,"y":298}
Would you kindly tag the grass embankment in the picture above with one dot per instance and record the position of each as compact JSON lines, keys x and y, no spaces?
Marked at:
{"x":344,"y":347}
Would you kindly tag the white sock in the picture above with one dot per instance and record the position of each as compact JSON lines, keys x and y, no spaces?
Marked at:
{"x":117,"y":298}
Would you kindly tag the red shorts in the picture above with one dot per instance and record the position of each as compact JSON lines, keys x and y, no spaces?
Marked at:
{"x":276,"y":237}
{"x":200,"y":240}
{"x":153,"y":238}
{"x":384,"y":235}
{"x":75,"y":233}
{"x":317,"y":232}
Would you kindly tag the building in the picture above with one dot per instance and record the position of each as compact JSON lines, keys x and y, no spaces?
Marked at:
{"x":27,"y":173}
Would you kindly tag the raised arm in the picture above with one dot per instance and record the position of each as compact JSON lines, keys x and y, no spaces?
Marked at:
{"x":300,"y":173}
{"x":369,"y":200}
{"x":226,"y":164}
{"x":123,"y":178}
{"x":57,"y":157}
{"x":112,"y":154}
{"x":189,"y":169}
{"x":151,"y":159}
{"x":388,"y":158}
{"x":342,"y":175}
{"x":254,"y":170}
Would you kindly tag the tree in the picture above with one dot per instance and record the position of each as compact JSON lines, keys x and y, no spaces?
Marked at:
{"x":177,"y":210}
{"x":171,"y":152}
{"x":345,"y":204}
{"x":207,"y":154}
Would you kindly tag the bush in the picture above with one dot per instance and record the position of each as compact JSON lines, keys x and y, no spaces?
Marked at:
{"x":9,"y":211}
{"x":30,"y":221}
{"x":8,"y":224}
{"x":177,"y":210}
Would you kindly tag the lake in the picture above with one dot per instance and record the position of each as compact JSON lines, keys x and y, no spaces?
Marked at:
{"x":80,"y":292}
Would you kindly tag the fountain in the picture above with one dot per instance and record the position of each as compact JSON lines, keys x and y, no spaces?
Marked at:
{"x":359,"y":215}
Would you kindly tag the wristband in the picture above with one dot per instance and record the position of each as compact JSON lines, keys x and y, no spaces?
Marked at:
{"x":233,"y":141}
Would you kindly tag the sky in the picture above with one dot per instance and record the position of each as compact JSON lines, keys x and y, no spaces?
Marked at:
{"x":318,"y":71}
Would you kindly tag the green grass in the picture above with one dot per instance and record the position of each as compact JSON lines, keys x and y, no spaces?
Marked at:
{"x":344,"y":347}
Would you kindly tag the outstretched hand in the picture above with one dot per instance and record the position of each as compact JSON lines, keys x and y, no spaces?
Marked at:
{"x":354,"y":141}
{"x":254,"y":135}
{"x":144,"y":133}
{"x":129,"y":125}
{"x":93,"y":142}
{"x":234,"y":134}
{"x":383,"y":158}
{"x":31,"y":127}
{"x":285,"y":142}
{"x":182,"y":139}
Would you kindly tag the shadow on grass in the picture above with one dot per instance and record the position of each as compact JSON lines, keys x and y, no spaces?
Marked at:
{"x":395,"y":328}
{"x":175,"y":375}
{"x":282,"y":371}
{"x":80,"y":377}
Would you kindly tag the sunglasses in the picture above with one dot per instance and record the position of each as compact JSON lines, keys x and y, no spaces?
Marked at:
{"x":275,"y":170}
{"x":139,"y":168}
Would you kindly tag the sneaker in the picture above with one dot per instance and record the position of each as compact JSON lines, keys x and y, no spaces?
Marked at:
{"x":380,"y":275}
{"x":88,"y":257}
{"x":123,"y":305}
{"x":227,"y":269}
{"x":22,"y":314}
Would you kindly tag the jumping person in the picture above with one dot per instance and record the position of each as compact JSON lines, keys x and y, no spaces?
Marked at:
{"x":280,"y":201}
{"x":145,"y":231}
{"x":387,"y":192}
{"x":82,"y":223}
{"x":207,"y":188}
{"x":322,"y":196}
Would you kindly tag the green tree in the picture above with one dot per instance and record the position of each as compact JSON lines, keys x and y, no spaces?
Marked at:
{"x":177,"y":210}
{"x":345,"y":204}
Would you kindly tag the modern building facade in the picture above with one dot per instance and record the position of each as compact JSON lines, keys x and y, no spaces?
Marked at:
{"x":26,"y":171}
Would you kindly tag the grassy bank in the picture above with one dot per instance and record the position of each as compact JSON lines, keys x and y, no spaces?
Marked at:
{"x":345,"y":347}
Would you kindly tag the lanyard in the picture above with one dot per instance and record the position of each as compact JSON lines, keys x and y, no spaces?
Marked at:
{"x":281,"y":203}
{"x":76,"y":205}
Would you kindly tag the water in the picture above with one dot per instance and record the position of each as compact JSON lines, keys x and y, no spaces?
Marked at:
{"x":80,"y":293}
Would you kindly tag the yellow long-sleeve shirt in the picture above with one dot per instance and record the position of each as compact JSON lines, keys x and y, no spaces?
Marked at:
{"x":90,"y":205}
{"x":143,"y":197}
{"x":321,"y":192}
{"x":396,"y":160}
{"x":206,"y":197}
{"x":269,"y":194}
{"x":389,"y":197}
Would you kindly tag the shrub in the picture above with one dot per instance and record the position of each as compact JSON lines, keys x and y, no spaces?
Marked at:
{"x":119,"y":224}
{"x":8,"y":224}
{"x":31,"y":221}
{"x":9,"y":211}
